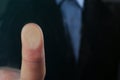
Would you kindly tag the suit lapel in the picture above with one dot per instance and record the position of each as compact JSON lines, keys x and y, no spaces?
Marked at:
{"x":55,"y":21}
{"x":89,"y":31}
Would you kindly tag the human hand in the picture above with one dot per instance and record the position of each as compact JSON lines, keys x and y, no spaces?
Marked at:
{"x":33,"y":57}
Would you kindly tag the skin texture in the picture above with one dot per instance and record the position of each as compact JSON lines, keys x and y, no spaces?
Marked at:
{"x":9,"y":74}
{"x":33,"y":56}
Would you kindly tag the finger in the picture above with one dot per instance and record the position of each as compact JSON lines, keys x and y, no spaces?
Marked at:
{"x":7,"y":73}
{"x":33,"y":57}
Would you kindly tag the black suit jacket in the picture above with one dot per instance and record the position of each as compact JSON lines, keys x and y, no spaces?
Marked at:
{"x":99,"y":50}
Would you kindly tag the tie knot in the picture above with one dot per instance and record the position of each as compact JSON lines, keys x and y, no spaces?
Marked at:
{"x":75,"y":3}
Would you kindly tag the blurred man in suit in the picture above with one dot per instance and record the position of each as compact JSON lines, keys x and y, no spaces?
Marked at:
{"x":81,"y":40}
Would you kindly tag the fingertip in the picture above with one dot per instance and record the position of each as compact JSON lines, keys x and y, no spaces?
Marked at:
{"x":32,"y":36}
{"x":32,"y":43}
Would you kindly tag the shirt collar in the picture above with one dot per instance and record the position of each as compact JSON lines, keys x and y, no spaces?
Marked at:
{"x":80,"y":2}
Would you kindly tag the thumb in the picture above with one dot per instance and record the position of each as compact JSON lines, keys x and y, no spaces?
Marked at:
{"x":33,"y":57}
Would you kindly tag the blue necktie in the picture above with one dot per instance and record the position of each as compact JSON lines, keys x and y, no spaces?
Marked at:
{"x":72,"y":15}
